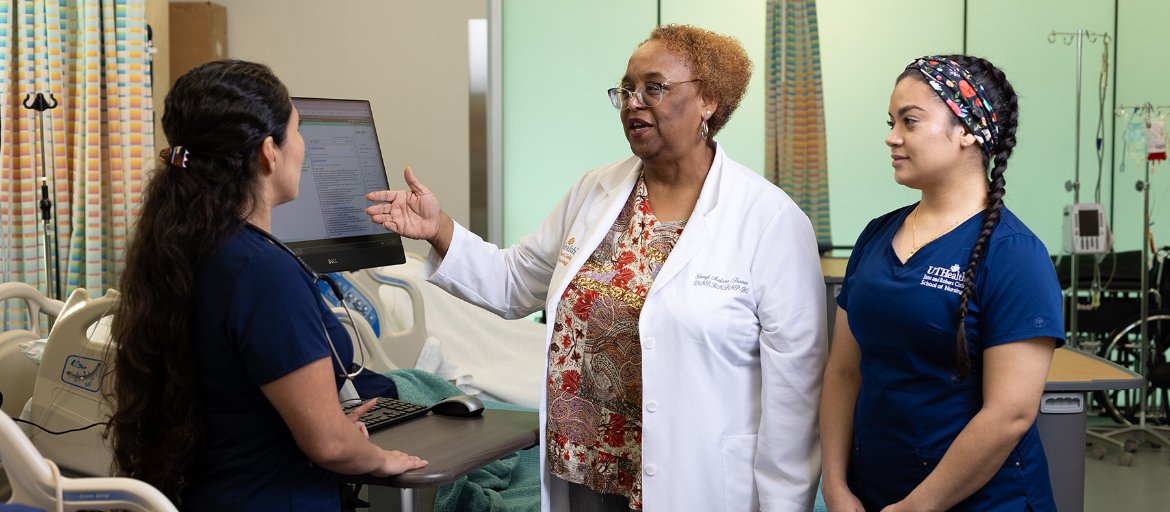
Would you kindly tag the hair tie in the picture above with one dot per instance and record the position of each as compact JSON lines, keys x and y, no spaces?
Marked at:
{"x":966,"y":98}
{"x":175,"y":156}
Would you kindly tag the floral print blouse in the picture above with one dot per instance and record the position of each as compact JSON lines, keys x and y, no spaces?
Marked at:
{"x":594,"y":426}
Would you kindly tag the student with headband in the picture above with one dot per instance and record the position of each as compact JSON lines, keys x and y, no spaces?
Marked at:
{"x":225,"y":384}
{"x":948,"y":316}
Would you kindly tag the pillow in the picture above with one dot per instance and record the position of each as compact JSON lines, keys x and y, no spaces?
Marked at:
{"x":34,"y":349}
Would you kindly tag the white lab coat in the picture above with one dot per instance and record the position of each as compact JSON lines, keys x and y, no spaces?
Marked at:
{"x":732,"y":335}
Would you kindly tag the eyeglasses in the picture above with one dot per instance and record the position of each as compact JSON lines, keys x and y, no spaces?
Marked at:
{"x":649,"y":95}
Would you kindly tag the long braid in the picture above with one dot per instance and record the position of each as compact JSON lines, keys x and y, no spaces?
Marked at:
{"x":1007,"y":109}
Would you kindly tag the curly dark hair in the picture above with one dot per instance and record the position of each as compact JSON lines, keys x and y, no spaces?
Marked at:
{"x":999,"y":92}
{"x":221,"y":112}
{"x":719,"y":61}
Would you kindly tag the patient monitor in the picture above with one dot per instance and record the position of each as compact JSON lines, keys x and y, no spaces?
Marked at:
{"x":1085,"y":229}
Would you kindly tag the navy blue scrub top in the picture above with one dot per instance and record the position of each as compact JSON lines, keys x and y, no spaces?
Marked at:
{"x":912,"y":405}
{"x":257,"y":317}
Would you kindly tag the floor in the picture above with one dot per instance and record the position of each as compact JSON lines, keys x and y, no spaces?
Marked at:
{"x":1142,"y":486}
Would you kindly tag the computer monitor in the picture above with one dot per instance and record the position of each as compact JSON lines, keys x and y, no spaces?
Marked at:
{"x":326,"y":225}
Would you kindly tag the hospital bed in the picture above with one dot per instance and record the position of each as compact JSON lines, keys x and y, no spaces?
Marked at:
{"x":393,"y":333}
{"x":17,"y":372}
{"x":38,"y":482}
{"x":418,"y":325}
{"x":70,"y":381}
{"x":64,"y":393}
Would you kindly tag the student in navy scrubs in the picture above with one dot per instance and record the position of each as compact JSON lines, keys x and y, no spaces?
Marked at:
{"x":226,"y":388}
{"x":917,"y":414}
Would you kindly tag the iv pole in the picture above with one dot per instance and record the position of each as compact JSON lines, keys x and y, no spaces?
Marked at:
{"x":1143,"y":186}
{"x":53,"y":286}
{"x":1074,"y":185}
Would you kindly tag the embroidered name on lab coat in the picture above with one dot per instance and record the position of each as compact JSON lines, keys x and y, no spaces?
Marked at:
{"x":734,"y":284}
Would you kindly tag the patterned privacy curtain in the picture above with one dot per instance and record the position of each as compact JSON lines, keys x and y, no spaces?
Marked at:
{"x":91,"y":55}
{"x":795,"y":135}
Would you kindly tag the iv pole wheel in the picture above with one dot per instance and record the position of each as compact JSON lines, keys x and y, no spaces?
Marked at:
{"x":1125,"y":459}
{"x":1098,"y":452}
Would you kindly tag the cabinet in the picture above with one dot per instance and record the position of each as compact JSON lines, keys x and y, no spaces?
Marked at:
{"x":198,"y":34}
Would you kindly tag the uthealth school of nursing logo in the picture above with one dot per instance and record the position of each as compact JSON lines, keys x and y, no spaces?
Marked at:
{"x":944,"y":278}
{"x":568,"y":250}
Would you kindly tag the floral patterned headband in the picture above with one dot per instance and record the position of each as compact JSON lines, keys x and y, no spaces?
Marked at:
{"x":964,"y":95}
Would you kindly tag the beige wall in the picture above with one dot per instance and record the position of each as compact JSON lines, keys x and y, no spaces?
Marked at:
{"x":408,"y":58}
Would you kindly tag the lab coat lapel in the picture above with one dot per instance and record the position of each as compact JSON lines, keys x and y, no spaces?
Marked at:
{"x":599,"y":217}
{"x":695,"y":235}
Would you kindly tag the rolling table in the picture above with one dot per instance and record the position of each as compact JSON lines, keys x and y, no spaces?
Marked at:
{"x":452,"y":447}
{"x":1062,"y":423}
{"x":834,"y":271}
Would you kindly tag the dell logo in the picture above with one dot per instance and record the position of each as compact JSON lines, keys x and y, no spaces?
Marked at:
{"x":332,"y":261}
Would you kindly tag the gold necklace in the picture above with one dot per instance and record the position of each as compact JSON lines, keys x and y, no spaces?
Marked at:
{"x":914,"y":247}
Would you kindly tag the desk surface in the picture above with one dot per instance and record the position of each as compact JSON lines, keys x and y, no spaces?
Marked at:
{"x":1073,"y":370}
{"x":833,"y":269}
{"x":453,"y":447}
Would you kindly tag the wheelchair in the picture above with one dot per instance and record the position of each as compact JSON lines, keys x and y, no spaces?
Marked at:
{"x":1109,"y":323}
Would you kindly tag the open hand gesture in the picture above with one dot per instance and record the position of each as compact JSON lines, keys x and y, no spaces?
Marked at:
{"x":413,"y":213}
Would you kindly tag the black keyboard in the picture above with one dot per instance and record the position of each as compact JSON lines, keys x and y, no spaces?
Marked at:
{"x":387,"y":412}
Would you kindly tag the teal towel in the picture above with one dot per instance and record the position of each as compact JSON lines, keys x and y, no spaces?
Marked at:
{"x":819,"y":506}
{"x":509,"y":484}
{"x":421,"y":387}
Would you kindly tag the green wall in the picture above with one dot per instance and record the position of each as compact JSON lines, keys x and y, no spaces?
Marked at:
{"x":559,"y":58}
{"x":579,"y":50}
{"x":864,"y":46}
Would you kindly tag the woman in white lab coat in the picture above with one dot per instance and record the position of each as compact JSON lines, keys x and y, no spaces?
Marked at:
{"x":685,"y":302}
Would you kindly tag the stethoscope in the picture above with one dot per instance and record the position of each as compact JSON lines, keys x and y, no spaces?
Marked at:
{"x":348,"y":392}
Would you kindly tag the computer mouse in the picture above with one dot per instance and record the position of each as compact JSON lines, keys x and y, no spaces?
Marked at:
{"x":459,"y":405}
